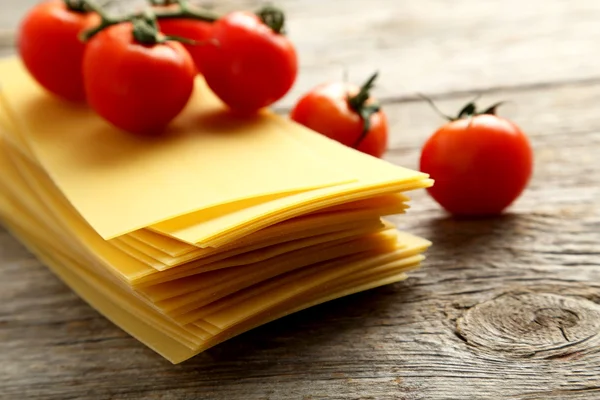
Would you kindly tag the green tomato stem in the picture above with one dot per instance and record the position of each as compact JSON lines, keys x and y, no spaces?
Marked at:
{"x":273,"y":17}
{"x":183,"y":11}
{"x":145,"y":28}
{"x":106,"y":20}
{"x":358,"y":104}
{"x":76,"y":6}
{"x":435,"y":107}
{"x":491,"y":110}
{"x":468,"y":111}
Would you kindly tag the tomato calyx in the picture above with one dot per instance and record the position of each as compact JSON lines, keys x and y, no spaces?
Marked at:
{"x":78,"y":6}
{"x":359,"y":104}
{"x":105,"y":21}
{"x":162,"y":2}
{"x":184,"y":10}
{"x":468,"y":111}
{"x":273,"y":17}
{"x":146,"y":31}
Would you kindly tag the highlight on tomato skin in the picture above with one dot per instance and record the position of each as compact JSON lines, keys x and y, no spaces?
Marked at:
{"x":326,"y":109}
{"x":481,"y":164}
{"x":50,"y":49}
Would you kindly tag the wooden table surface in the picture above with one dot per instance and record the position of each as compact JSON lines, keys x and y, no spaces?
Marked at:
{"x":505,"y":308}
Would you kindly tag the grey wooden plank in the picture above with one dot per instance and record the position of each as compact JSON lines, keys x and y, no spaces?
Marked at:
{"x":412,"y":340}
{"x":433,"y":46}
{"x":535,"y":270}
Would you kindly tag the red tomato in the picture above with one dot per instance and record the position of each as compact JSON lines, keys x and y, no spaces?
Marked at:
{"x":199,"y":31}
{"x":480,"y":163}
{"x":251,"y":66}
{"x":138,"y":88}
{"x":326,"y":110}
{"x":50,"y":49}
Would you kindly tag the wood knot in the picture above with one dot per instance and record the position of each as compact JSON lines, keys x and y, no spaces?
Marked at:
{"x":526,"y":324}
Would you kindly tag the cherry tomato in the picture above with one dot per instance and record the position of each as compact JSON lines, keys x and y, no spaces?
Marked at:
{"x":327,"y":109}
{"x":251,"y":66}
{"x":480,"y":163}
{"x":137,"y":87}
{"x":50,"y":49}
{"x":199,"y":31}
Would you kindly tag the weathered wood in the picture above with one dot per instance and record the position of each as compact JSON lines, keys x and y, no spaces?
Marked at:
{"x":504,"y":308}
{"x":431,"y":46}
{"x":536,"y":269}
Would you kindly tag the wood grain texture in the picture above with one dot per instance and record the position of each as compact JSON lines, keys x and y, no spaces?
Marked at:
{"x":504,"y":308}
{"x":432,"y":46}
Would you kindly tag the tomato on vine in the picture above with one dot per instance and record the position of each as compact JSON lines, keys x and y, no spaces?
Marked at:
{"x":199,"y":31}
{"x":481,"y":163}
{"x":50,"y":49}
{"x":136,"y":78}
{"x":345,"y":113}
{"x":252,"y":63}
{"x":183,"y":20}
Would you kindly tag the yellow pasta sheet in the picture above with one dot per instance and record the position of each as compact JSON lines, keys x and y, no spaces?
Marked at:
{"x":375,"y":178}
{"x":211,"y":222}
{"x":174,"y":339}
{"x":320,"y":277}
{"x":246,"y":255}
{"x":184,"y":295}
{"x":324,"y":219}
{"x":208,"y":158}
{"x":55,"y":213}
{"x":150,"y":328}
{"x":351,"y":220}
{"x":333,"y":269}
{"x":9,"y":127}
{"x":297,"y":291}
{"x":129,"y":268}
{"x":246,"y":299}
{"x":170,"y":340}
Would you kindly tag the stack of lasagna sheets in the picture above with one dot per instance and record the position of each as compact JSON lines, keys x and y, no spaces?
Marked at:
{"x":219,"y":226}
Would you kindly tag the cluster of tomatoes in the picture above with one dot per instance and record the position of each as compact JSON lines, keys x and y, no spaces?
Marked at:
{"x":138,"y":73}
